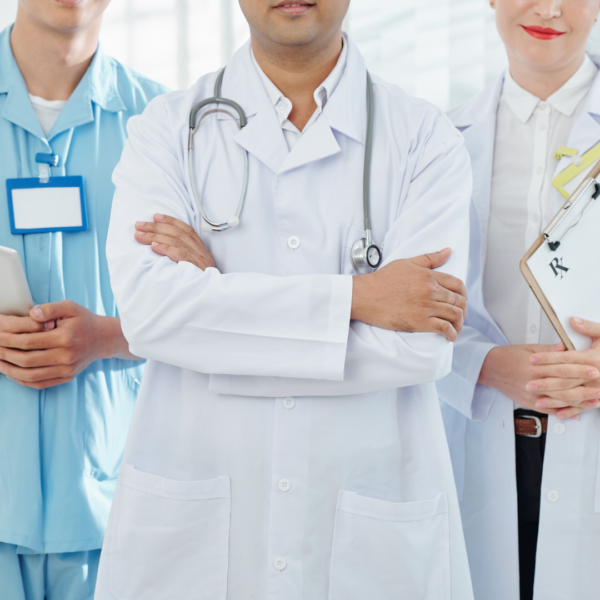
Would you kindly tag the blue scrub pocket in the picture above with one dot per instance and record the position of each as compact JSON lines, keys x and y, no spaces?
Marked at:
{"x":168,"y":539}
{"x":110,"y":392}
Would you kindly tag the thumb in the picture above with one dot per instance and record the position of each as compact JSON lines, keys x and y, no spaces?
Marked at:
{"x":53,"y":311}
{"x":584,"y":327}
{"x":432,"y":260}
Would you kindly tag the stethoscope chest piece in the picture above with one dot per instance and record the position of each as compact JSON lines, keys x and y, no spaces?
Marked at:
{"x":366,"y":257}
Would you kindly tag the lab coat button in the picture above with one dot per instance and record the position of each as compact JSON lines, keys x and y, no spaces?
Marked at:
{"x":280,"y":564}
{"x":543,"y":127}
{"x":553,"y":496}
{"x":543,"y":106}
{"x":539,"y":170}
{"x":285,"y":485}
{"x":293,"y":242}
{"x":289,"y":403}
{"x":560,"y":428}
{"x":536,"y":218}
{"x":533,"y":329}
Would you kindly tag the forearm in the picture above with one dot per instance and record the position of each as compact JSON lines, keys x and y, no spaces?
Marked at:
{"x":236,"y":324}
{"x":115,"y":345}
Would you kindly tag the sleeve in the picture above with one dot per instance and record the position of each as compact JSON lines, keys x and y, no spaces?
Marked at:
{"x":279,"y":329}
{"x":434,"y":215}
{"x":459,"y":389}
{"x":206,"y":321}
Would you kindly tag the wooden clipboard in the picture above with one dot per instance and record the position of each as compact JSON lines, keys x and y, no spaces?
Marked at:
{"x":533,"y":284}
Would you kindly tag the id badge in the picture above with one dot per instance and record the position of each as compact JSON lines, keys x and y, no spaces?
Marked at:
{"x":42,"y":207}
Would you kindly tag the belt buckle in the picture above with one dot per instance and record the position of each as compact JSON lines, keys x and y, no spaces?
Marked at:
{"x":538,"y":426}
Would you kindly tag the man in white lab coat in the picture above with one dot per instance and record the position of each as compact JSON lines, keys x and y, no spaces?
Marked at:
{"x":288,"y":441}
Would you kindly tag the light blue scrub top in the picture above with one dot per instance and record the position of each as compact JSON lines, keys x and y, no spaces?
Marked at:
{"x":60,"y":448}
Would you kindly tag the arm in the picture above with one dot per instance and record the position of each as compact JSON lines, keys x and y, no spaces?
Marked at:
{"x":461,"y":388}
{"x":299,"y":326}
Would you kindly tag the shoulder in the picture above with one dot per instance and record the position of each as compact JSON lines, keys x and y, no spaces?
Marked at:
{"x":417,"y":125}
{"x":135,"y":89}
{"x":165,"y":118}
{"x":481,"y":105}
{"x":175,"y":107}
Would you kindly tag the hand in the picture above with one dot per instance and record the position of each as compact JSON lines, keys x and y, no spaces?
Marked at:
{"x":56,"y":343}
{"x":575,"y":382}
{"x":9,"y":324}
{"x":174,"y":238}
{"x":510,"y":370}
{"x":408,"y":295}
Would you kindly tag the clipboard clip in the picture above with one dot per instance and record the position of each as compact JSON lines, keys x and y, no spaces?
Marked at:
{"x":554,"y":230}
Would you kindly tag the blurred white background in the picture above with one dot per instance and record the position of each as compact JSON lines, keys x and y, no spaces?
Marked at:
{"x":442,"y":50}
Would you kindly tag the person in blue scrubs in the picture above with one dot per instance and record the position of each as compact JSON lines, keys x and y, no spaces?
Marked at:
{"x":67,"y":380}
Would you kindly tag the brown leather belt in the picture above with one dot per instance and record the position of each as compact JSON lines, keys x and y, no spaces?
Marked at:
{"x":531,"y":426}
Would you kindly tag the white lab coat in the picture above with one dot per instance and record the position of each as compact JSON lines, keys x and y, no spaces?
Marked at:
{"x":480,"y":423}
{"x":278,"y":450}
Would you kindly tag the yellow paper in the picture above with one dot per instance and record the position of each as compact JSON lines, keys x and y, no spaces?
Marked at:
{"x":587,"y":162}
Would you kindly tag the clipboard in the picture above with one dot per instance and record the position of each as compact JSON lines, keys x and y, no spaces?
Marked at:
{"x":557,"y":266}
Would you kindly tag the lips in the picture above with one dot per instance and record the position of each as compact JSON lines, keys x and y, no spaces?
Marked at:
{"x":542,"y":33}
{"x":294,"y":7}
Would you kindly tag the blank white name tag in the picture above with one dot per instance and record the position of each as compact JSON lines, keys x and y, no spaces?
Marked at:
{"x":56,"y":205}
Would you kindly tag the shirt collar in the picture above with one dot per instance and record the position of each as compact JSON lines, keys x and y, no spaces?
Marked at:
{"x":565,"y":100}
{"x":98,"y":85}
{"x":322,"y":93}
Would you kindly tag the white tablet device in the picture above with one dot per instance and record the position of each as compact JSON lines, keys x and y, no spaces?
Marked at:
{"x":15,"y":297}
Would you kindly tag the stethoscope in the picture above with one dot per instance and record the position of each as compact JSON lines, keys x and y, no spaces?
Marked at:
{"x":366,"y":256}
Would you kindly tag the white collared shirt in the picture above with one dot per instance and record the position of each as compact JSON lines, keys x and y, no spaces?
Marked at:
{"x":283,"y":105}
{"x":528,"y":132}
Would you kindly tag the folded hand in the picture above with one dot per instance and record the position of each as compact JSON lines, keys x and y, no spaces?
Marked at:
{"x":173,"y":238}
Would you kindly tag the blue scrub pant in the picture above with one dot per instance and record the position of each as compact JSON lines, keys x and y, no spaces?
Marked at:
{"x":66,"y":576}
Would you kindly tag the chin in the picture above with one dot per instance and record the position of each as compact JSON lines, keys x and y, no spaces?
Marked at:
{"x":294,"y":34}
{"x":541,"y":58}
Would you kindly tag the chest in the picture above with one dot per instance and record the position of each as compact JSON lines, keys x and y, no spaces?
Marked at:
{"x":298,"y":220}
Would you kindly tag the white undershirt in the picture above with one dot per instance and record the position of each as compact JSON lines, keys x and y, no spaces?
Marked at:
{"x":46,"y":111}
{"x":283,"y":106}
{"x":528,"y":132}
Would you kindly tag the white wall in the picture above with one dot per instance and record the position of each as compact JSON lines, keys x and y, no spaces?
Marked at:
{"x":442,"y":50}
{"x":8,"y":10}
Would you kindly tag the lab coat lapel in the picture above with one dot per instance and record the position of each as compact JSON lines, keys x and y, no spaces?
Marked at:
{"x":262,"y":137}
{"x":477,"y":122}
{"x":585,"y":133}
{"x":317,"y":142}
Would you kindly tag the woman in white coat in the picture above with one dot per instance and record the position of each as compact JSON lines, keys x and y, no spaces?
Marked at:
{"x":530,"y":505}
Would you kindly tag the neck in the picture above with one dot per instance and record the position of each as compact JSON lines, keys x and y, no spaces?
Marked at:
{"x":298,"y":72}
{"x":543,"y":82}
{"x":52,"y":62}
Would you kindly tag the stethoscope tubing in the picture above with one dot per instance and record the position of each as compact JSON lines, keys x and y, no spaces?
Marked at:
{"x":233,"y":221}
{"x":216,"y":99}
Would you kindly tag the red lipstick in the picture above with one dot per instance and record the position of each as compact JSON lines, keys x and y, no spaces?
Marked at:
{"x":542,"y":33}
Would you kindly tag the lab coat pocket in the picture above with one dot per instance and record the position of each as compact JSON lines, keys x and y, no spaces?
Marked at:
{"x":388,"y":551}
{"x":169,"y":539}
